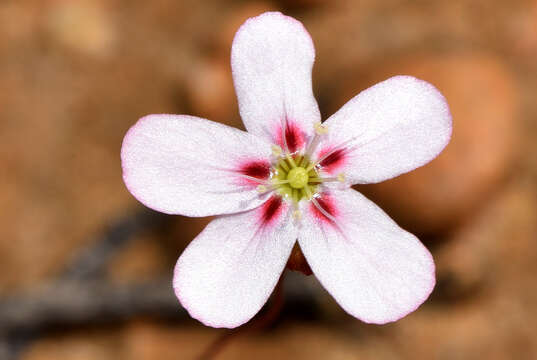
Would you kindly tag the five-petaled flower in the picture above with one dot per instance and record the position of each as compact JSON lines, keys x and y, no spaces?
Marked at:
{"x":288,"y":179}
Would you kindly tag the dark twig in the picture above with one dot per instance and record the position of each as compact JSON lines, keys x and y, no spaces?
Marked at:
{"x":81,"y":296}
{"x":73,"y":303}
{"x":91,"y":261}
{"x":75,"y":296}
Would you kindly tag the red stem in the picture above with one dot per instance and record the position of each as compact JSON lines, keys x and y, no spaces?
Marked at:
{"x":259,"y":323}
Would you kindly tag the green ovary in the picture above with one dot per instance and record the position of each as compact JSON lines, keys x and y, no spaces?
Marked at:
{"x":299,"y":181}
{"x":298,"y":177}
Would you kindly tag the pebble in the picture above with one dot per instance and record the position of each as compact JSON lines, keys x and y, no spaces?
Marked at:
{"x":482,"y":95}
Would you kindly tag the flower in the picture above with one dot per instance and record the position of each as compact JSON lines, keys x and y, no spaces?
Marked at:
{"x":288,"y":179}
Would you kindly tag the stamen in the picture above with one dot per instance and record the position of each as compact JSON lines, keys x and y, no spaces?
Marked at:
{"x":297,"y":215}
{"x":320,"y":129}
{"x":298,"y":160}
{"x":290,"y":159}
{"x":283,"y":165}
{"x":262,"y":189}
{"x":323,"y":211}
{"x":292,"y":176}
{"x":308,"y":192}
{"x":311,"y":166}
{"x":294,"y":195}
{"x":276,"y":150}
{"x":339,"y":178}
{"x":257,"y":180}
{"x":280,"y":182}
{"x":337,"y":148}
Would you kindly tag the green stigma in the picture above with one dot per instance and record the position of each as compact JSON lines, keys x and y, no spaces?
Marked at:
{"x":298,"y":177}
{"x":295,"y":177}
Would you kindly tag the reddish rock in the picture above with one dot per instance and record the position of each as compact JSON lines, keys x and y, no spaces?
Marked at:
{"x":490,"y":250}
{"x":210,"y":84}
{"x":521,"y":32}
{"x":211,"y":93}
{"x":82,"y":26}
{"x":483,"y":99}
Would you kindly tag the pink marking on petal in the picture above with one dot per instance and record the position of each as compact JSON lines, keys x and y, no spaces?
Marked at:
{"x":327,"y":203}
{"x":294,"y":136}
{"x":333,"y":161}
{"x":259,"y":169}
{"x":271,"y":210}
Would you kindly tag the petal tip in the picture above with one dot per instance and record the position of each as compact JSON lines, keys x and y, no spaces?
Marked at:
{"x":439,"y":105}
{"x":127,"y":162}
{"x":396,"y":316}
{"x":272,"y":19}
{"x":435,"y":94}
{"x":194,"y":311}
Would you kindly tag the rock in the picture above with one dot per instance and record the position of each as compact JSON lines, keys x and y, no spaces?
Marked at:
{"x":494,"y":244}
{"x":521,"y":33}
{"x":211,"y":93}
{"x":483,"y":99}
{"x":209,"y":83}
{"x":210,"y":87}
{"x":82,"y":26}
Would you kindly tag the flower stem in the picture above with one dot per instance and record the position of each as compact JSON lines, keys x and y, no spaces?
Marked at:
{"x":259,"y":323}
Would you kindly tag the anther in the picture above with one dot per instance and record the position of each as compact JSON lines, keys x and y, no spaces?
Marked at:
{"x":320,"y":129}
{"x":340,"y":178}
{"x":276,"y":150}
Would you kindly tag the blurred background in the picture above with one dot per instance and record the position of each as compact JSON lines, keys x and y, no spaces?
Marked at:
{"x":85,"y":270}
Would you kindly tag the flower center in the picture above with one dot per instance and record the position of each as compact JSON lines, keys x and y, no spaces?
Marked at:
{"x":294,"y":176}
{"x":298,"y":177}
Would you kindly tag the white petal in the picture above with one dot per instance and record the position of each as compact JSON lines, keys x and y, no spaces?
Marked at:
{"x":391,"y":128}
{"x":185,"y":165}
{"x":374,"y":269}
{"x":272,"y":58}
{"x":227,"y":273}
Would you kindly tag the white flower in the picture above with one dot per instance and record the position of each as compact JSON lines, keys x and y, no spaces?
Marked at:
{"x":288,"y":179}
